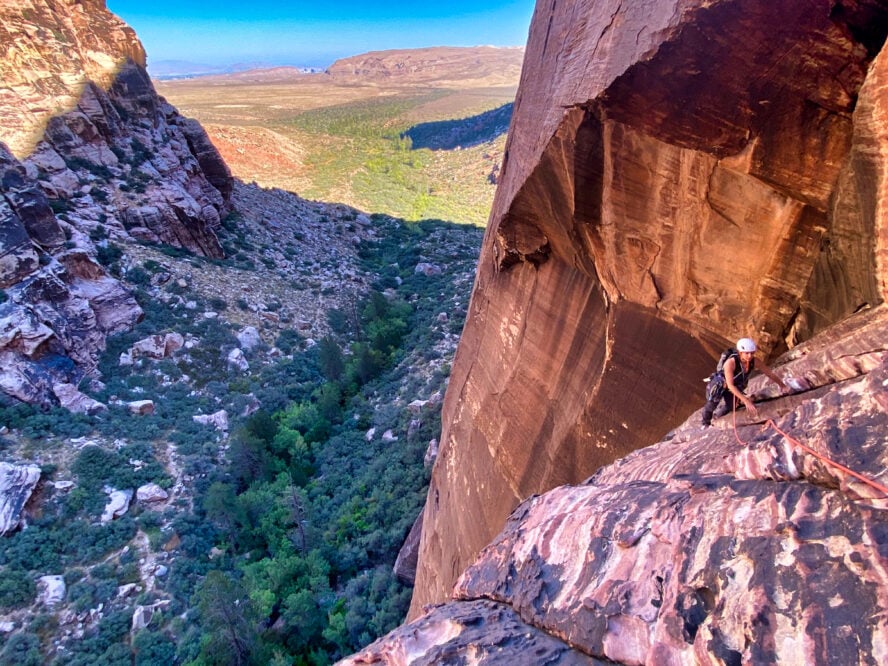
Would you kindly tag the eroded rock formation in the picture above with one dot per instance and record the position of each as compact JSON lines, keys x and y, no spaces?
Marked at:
{"x":678,"y":174}
{"x":95,"y":156}
{"x":710,"y":547}
{"x":60,"y":305}
{"x":17,"y":482}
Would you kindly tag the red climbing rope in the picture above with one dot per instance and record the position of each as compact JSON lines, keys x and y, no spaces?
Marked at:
{"x":860,"y":477}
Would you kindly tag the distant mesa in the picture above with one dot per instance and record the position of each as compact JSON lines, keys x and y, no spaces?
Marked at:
{"x":480,"y":65}
{"x":462,"y":133}
{"x":490,"y":64}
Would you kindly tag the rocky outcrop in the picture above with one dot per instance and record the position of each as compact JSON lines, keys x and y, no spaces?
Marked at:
{"x":480,"y":632}
{"x":17,"y":482}
{"x":52,"y":50}
{"x":95,"y":156}
{"x":60,"y":304}
{"x":678,"y":174}
{"x":125,"y":161}
{"x":718,"y":546}
{"x":80,"y":110}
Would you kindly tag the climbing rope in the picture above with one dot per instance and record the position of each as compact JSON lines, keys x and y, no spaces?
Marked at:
{"x":804,"y":447}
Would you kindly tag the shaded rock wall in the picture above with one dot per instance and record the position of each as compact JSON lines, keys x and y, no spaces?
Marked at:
{"x":95,"y":157}
{"x":60,"y":305}
{"x":678,"y":174}
{"x":708,"y":547}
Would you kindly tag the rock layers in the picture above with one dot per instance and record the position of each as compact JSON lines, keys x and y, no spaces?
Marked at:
{"x":678,"y":174}
{"x":710,"y":547}
{"x":94,"y":155}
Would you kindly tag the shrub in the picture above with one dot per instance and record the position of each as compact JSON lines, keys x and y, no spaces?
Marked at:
{"x":218,"y":303}
{"x":21,"y":649}
{"x":16,"y":589}
{"x":108,"y":253}
{"x":288,"y":341}
{"x":138,"y":276}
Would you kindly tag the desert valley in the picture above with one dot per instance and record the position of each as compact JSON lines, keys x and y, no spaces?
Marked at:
{"x":400,"y":362}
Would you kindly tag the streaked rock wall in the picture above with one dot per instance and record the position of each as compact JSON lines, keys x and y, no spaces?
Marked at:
{"x":678,"y":174}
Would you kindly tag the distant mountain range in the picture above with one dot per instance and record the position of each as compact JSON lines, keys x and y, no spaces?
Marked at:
{"x":182,"y":69}
{"x":499,"y":64}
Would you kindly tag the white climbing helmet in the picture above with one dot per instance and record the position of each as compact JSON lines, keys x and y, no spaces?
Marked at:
{"x":746,"y":345}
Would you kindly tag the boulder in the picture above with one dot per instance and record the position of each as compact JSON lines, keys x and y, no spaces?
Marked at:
{"x":428,"y":269}
{"x":157,"y":346}
{"x":416,"y":405}
{"x":151,"y":492}
{"x":17,"y":483}
{"x":52,"y":590}
{"x":431,"y":453}
{"x":73,"y":400}
{"x":219,"y":420}
{"x":237,"y":360}
{"x":118,"y":504}
{"x":248,"y":338}
{"x":142,"y":615}
{"x":141,"y":407}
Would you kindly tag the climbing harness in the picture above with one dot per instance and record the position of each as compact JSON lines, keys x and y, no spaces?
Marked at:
{"x":804,"y":447}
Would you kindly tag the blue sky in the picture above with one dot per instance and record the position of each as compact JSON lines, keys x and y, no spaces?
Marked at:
{"x":222,"y":32}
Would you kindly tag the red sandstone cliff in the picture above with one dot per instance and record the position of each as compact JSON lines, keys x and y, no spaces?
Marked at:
{"x":709,"y":547}
{"x":679,"y":173}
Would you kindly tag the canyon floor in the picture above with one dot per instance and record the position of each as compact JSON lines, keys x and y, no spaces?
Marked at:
{"x":339,"y":138}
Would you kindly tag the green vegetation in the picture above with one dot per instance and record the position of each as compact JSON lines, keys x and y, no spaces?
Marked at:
{"x":282,"y":551}
{"x":370,"y":145}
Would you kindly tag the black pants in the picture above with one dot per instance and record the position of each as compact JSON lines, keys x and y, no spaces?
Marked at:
{"x":728,"y":402}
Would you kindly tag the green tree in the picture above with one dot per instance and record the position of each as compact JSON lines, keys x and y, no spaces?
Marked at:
{"x":330,"y":359}
{"x":153,"y":649}
{"x":226,"y":619}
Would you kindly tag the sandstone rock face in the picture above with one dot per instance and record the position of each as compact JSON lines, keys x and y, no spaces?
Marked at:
{"x":17,"y":482}
{"x":710,"y":547}
{"x":90,"y":140}
{"x":481,"y":632}
{"x":678,"y":174}
{"x":405,"y":564}
{"x":79,"y":38}
{"x":59,"y":309}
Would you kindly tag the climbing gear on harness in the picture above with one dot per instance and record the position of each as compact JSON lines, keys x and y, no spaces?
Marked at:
{"x":716,"y":384}
{"x":715,"y":387}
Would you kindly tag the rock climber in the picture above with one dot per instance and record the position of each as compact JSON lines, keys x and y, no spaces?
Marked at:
{"x":730,"y":380}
